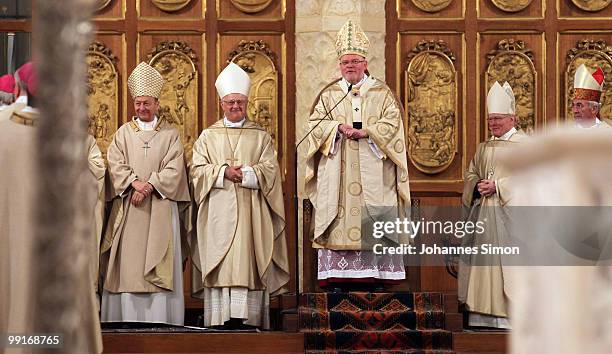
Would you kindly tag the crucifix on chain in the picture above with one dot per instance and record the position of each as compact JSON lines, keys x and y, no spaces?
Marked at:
{"x":231,"y":161}
{"x":146,"y":147}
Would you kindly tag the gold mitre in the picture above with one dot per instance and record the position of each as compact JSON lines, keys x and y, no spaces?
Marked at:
{"x":588,"y":86}
{"x":145,"y":81}
{"x":352,"y":40}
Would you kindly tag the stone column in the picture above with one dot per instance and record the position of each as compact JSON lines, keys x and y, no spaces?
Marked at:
{"x":317,"y":23}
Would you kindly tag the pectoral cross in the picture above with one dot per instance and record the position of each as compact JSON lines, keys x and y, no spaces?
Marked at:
{"x":490,"y":173}
{"x":145,"y":147}
{"x":231,"y":161}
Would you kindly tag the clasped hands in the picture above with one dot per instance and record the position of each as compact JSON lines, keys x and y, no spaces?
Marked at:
{"x":486,"y":187}
{"x":233,"y":173}
{"x":351,"y":132}
{"x":142,"y":190}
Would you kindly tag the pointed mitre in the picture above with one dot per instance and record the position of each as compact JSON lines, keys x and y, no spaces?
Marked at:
{"x":588,"y":86}
{"x":352,"y":40}
{"x":500,"y":99}
{"x":145,"y":81}
{"x":233,"y":80}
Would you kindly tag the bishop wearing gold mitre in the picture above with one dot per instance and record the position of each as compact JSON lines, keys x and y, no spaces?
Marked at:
{"x":356,"y":168}
{"x":588,"y":87}
{"x":141,"y":249}
{"x":240,"y":254}
{"x":482,"y":285}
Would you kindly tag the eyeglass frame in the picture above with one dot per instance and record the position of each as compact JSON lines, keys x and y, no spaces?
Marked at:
{"x":352,"y":62}
{"x":231,"y":103}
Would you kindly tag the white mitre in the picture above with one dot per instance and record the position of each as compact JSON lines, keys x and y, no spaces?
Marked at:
{"x":500,"y":99}
{"x":233,"y":80}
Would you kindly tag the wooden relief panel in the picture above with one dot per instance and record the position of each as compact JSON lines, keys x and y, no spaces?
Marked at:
{"x":431,"y":85}
{"x":176,"y":10}
{"x":585,"y":9}
{"x":510,"y":9}
{"x":251,"y":9}
{"x":431,"y":102}
{"x":438,"y":9}
{"x":102,"y":94}
{"x":100,"y":5}
{"x":511,"y":61}
{"x":592,"y":53}
{"x":257,"y":60}
{"x":109,"y":9}
{"x":178,"y":57}
{"x":176,"y":61}
{"x":262,"y":57}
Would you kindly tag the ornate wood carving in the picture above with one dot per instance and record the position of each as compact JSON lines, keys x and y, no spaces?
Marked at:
{"x":511,"y":5}
{"x":251,"y":6}
{"x":102,"y":94}
{"x":592,"y":53}
{"x":431,"y":102}
{"x":592,"y":5}
{"x":170,"y":5}
{"x":512,"y":62}
{"x":431,"y":5}
{"x":101,"y":4}
{"x":175,"y":60}
{"x":256,"y":58}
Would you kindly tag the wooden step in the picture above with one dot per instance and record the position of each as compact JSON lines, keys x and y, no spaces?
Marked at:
{"x":230,"y":343}
{"x":480,"y":342}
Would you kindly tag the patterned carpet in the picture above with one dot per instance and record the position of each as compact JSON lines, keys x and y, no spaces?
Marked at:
{"x":359,"y":322}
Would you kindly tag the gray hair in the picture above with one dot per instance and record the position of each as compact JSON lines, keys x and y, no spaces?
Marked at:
{"x":6,"y":97}
{"x":593,"y":104}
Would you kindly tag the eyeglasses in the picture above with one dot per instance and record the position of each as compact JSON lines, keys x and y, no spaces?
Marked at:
{"x":352,"y":62}
{"x":496,"y":119}
{"x":233,"y":102}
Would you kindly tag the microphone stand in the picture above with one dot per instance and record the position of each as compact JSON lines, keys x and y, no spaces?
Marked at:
{"x":295,"y":183}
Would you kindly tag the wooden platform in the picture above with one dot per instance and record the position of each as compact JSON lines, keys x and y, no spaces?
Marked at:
{"x":265,"y":342}
{"x":252,"y":343}
{"x":480,"y":342}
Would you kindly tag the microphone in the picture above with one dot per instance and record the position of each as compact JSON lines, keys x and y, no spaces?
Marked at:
{"x":327,"y":114}
{"x":295,"y":183}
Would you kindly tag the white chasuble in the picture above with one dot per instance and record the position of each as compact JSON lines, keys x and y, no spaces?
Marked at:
{"x":141,"y":249}
{"x":240,"y":252}
{"x":348,"y":181}
{"x":486,"y":289}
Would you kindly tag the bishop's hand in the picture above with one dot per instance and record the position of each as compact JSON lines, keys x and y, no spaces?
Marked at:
{"x":137,"y":198}
{"x":486,"y":187}
{"x":233,"y":173}
{"x":144,"y":188}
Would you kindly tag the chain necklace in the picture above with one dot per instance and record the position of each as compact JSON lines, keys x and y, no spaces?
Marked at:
{"x":146,"y":146}
{"x":232,"y":149}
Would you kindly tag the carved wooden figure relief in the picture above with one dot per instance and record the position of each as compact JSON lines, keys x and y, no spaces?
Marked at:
{"x":178,"y":103}
{"x":170,"y":5}
{"x":256,"y":58}
{"x":101,"y":4}
{"x":511,"y":5}
{"x":431,"y":5}
{"x":592,"y":5}
{"x":431,"y":103}
{"x":512,"y":62}
{"x":103,"y":94}
{"x":251,"y":6}
{"x":593,"y":54}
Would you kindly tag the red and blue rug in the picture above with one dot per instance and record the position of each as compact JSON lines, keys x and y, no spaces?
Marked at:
{"x":360,"y":322}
